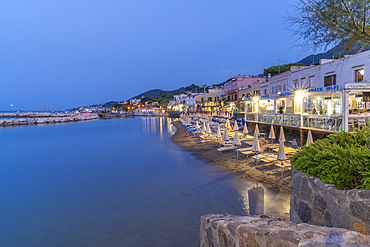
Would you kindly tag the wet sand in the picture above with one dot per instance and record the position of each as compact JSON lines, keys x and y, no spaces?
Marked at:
{"x":228,"y":161}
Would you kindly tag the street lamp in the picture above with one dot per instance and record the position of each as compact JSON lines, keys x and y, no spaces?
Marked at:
{"x":10,"y":107}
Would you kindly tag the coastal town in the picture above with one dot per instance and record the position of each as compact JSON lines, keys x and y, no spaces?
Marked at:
{"x":185,"y":123}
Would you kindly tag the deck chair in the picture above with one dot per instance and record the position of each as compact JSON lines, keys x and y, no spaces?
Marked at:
{"x":248,"y":153}
{"x":257,"y":158}
{"x":283,"y":166}
{"x":227,"y":148}
{"x":267,"y":161}
{"x":240,"y":150}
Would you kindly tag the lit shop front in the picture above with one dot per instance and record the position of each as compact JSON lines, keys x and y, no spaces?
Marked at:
{"x":316,"y":108}
{"x":357,"y":98}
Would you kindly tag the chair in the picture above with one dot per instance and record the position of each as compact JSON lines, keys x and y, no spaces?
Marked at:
{"x":351,"y":123}
{"x":361,"y":122}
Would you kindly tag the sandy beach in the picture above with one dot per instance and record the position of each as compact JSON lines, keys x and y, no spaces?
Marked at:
{"x":228,"y":161}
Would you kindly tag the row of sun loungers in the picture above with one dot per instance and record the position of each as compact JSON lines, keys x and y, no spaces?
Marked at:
{"x":263,"y":157}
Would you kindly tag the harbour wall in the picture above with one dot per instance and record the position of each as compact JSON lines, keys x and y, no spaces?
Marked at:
{"x":321,"y":204}
{"x":31,"y":118}
{"x":261,"y":231}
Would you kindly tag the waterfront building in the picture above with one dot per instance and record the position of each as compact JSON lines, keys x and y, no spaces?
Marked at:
{"x":209,"y":101}
{"x":232,"y":85}
{"x":333,"y":95}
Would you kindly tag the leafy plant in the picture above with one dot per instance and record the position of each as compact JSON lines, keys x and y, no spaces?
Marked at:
{"x":342,"y":159}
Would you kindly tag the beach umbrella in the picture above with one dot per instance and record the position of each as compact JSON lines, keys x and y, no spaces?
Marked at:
{"x":227,"y":125}
{"x":281,"y":153}
{"x":256,"y":130}
{"x":204,"y":128}
{"x":282,"y":136}
{"x":245,"y":130}
{"x":209,"y":131}
{"x":272,"y":133}
{"x":309,"y":138}
{"x":226,"y":135}
{"x":256,"y":145}
{"x":219,"y":131}
{"x":197,"y":125}
{"x":236,"y":141}
{"x":236,"y":127}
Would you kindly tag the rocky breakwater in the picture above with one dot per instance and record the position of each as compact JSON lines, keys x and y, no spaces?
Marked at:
{"x":14,"y":119}
{"x":227,"y":230}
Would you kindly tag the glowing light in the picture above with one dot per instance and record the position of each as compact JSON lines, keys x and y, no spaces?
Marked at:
{"x":255,"y":99}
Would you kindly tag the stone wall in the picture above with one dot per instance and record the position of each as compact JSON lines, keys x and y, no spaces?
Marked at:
{"x":261,"y":231}
{"x":321,"y":204}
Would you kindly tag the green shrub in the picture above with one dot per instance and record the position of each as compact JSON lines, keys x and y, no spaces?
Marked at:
{"x":342,"y":159}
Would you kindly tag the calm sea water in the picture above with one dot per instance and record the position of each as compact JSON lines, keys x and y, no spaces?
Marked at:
{"x":118,"y":182}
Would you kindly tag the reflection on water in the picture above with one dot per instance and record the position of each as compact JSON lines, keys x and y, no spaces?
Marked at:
{"x":259,"y":200}
{"x":256,"y":199}
{"x":118,"y":182}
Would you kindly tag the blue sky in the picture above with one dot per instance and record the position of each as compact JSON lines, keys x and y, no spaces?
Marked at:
{"x":81,"y":52}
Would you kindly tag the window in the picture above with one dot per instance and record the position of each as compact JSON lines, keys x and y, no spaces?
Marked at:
{"x":272,"y":90}
{"x":278,"y":88}
{"x":295,"y":84}
{"x":228,"y":97}
{"x":216,"y":98}
{"x":310,"y":82}
{"x":266,"y":91}
{"x":303,"y":83}
{"x":359,"y":75}
{"x":209,"y":99}
{"x":330,"y":80}
{"x":284,"y":88}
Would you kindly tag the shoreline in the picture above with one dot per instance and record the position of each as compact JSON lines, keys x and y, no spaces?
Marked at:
{"x":242,"y":167}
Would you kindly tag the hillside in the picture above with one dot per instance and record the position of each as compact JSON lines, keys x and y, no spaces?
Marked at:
{"x":334,"y":52}
{"x":155,"y":92}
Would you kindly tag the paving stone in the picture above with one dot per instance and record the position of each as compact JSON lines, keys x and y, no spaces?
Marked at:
{"x":296,"y":182}
{"x":359,"y":240}
{"x":328,"y":219}
{"x":320,"y":185}
{"x":341,"y":219}
{"x":246,"y":237}
{"x":364,"y":194}
{"x":282,"y":238}
{"x":360,"y":227}
{"x":360,"y":210}
{"x":305,"y":190}
{"x":319,"y":204}
{"x":339,"y":195}
{"x":311,"y":180}
{"x":304,"y":212}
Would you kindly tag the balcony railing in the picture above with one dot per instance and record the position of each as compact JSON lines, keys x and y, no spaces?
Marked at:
{"x":331,"y":123}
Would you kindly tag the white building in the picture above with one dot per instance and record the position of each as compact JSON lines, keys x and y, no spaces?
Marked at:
{"x":135,"y":101}
{"x":330,"y":96}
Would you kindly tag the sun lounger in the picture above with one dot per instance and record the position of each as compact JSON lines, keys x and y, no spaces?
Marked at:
{"x":248,"y":153}
{"x":267,"y":161}
{"x":223,"y":149}
{"x":257,"y":158}
{"x":240,"y":150}
{"x":283,"y":166}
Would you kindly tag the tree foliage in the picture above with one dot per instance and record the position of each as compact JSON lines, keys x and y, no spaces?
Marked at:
{"x":322,"y":23}
{"x":342,"y":159}
{"x":274,"y":70}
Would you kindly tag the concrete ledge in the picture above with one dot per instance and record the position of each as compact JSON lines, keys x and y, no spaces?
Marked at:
{"x":260,"y":231}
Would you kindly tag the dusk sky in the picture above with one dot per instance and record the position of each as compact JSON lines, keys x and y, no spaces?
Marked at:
{"x":82,"y":52}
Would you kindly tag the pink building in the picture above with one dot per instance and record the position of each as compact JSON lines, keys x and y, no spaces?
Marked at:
{"x":235,"y":83}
